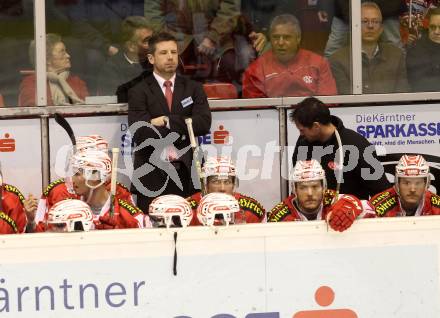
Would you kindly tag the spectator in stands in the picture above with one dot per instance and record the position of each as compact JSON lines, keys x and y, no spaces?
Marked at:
{"x":129,"y":62}
{"x":204,"y":33}
{"x":253,"y":27}
{"x":423,"y":60}
{"x":62,"y":88}
{"x":287,"y":70}
{"x":91,"y":30}
{"x":414,"y":19}
{"x":383,"y":64}
{"x":338,"y":11}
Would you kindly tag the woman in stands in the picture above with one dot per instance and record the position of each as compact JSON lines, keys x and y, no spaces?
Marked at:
{"x":62,"y":87}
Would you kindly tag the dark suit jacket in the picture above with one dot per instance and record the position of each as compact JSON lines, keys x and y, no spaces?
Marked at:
{"x":146,"y":101}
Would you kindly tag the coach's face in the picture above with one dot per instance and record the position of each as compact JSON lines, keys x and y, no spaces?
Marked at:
{"x":310,"y":134}
{"x":164,"y":59}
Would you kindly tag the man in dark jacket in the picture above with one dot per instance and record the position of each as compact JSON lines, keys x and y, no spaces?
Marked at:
{"x":423,"y":60}
{"x":157,"y":108}
{"x":383,"y":64}
{"x":339,"y":12}
{"x":362,"y":174}
{"x":129,"y":62}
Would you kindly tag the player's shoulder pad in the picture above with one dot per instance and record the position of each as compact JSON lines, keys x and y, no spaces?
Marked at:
{"x":377,"y":198}
{"x":435,"y":200}
{"x":328,"y":197}
{"x":193,"y":203}
{"x":133,"y":210}
{"x":250,"y":204}
{"x":384,"y":202}
{"x":11,"y":189}
{"x":194,"y":200}
{"x":278,"y":212}
{"x":9,"y":221}
{"x":52,"y":185}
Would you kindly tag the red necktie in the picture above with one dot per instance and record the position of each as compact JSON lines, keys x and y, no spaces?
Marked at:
{"x":168,"y":93}
{"x":171,"y":150}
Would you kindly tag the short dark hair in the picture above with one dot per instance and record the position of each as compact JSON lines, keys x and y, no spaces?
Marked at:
{"x":131,"y":24}
{"x":434,"y":11}
{"x":311,"y":110}
{"x":157,"y":38}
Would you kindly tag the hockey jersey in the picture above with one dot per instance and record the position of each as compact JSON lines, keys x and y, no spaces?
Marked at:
{"x":251,"y":211}
{"x":12,"y":214}
{"x":387,"y":204}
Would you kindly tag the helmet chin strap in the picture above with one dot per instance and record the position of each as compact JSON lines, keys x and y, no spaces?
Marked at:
{"x":89,"y":196}
{"x":93,"y":187}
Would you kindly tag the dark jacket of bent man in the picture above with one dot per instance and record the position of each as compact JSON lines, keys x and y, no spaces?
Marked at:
{"x":354,"y":181}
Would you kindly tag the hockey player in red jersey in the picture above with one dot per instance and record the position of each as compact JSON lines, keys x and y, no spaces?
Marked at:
{"x":312,"y":201}
{"x":92,"y":170}
{"x":62,"y":189}
{"x":219,"y":176}
{"x":69,"y":215}
{"x":12,"y":213}
{"x":170,"y":210}
{"x":410,"y":195}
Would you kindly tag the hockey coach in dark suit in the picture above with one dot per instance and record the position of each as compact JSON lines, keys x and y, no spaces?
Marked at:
{"x":157,"y":109}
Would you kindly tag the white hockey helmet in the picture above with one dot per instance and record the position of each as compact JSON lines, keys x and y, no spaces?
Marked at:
{"x":165,"y":207}
{"x":221,"y":167}
{"x":95,"y":142}
{"x":70,"y":215}
{"x":307,"y":170}
{"x":217,"y":204}
{"x":412,"y":166}
{"x":94,"y":164}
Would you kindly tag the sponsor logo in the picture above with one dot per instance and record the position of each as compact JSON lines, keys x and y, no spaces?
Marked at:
{"x":7,"y":144}
{"x":221,"y":136}
{"x":324,"y":296}
{"x":308,"y":79}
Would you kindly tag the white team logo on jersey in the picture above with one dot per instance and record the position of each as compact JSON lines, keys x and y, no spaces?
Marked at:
{"x":308,"y":79}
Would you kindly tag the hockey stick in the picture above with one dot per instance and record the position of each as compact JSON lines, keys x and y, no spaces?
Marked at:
{"x":60,"y":120}
{"x":339,"y":166}
{"x":196,"y":149}
{"x":66,"y":126}
{"x":114,"y":177}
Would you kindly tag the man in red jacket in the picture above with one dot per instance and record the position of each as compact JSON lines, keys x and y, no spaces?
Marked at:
{"x":312,"y":201}
{"x":288,"y":70}
{"x":410,"y":195}
{"x":219,"y":176}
